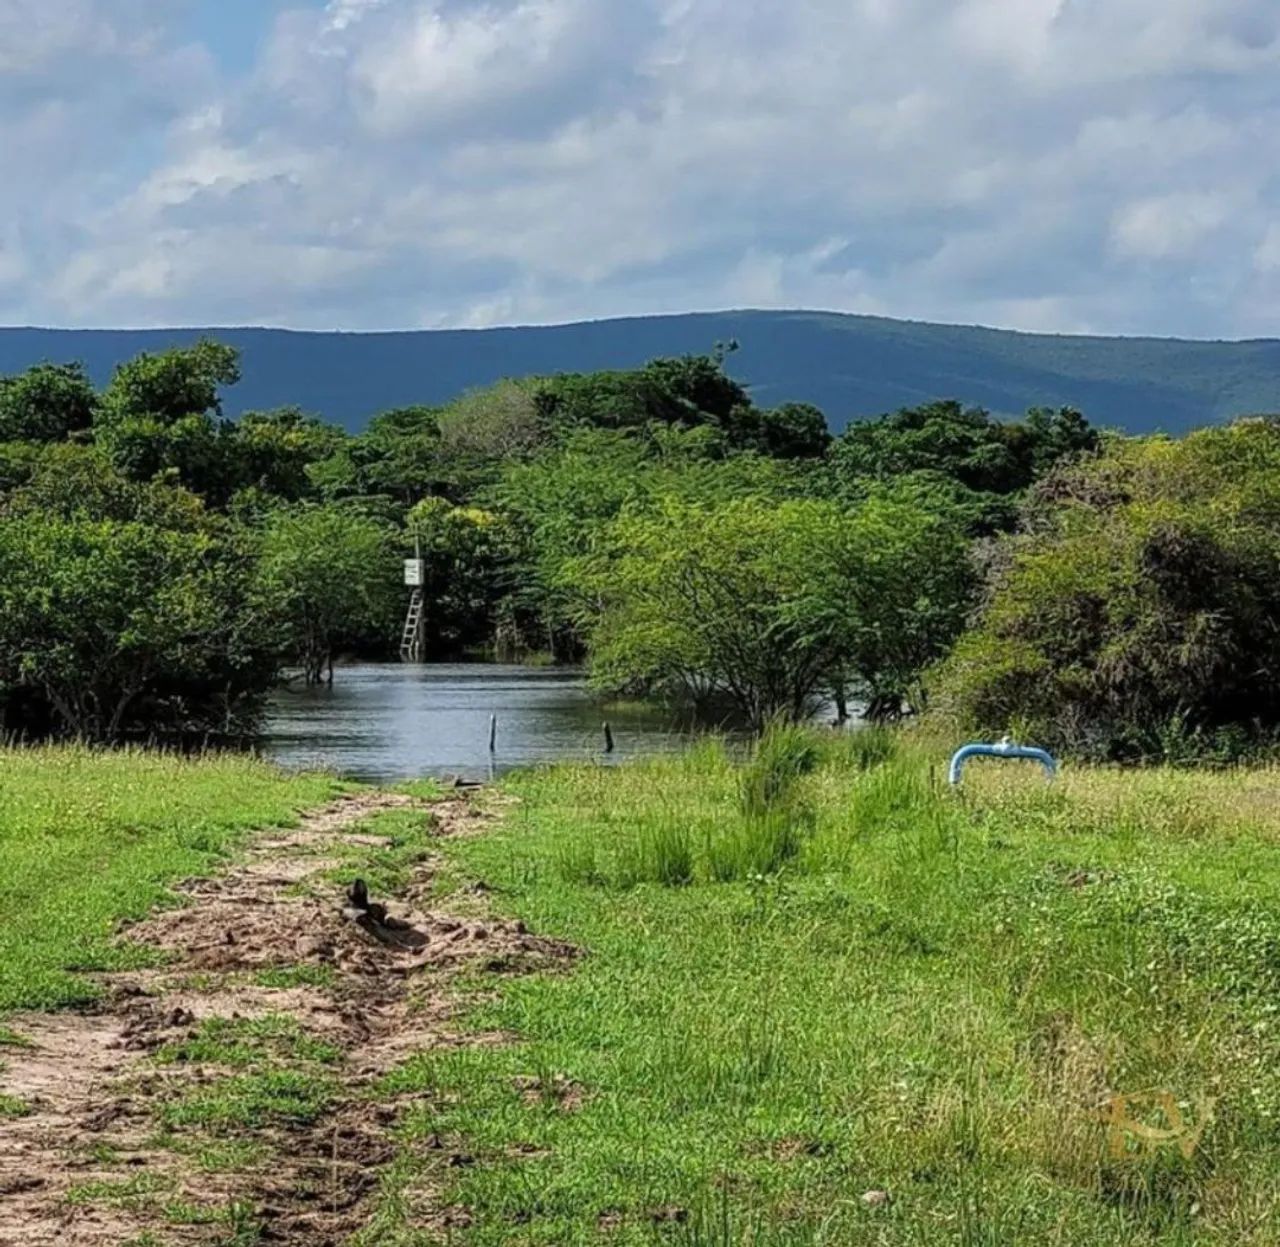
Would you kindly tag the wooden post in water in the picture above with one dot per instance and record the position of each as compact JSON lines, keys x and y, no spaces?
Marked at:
{"x":493,"y":733}
{"x":608,"y":738}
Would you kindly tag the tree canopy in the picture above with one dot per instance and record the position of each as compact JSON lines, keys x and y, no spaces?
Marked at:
{"x":768,"y":605}
{"x":1134,"y":616}
{"x":655,"y":523}
{"x":47,"y":403}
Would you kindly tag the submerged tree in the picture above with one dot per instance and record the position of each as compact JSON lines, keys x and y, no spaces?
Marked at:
{"x":328,"y":575}
{"x":109,"y":627}
{"x":770,"y":604}
{"x":464,"y":551}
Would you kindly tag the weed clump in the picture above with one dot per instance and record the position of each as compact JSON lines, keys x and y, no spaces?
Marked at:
{"x":781,"y":758}
{"x":753,"y":817}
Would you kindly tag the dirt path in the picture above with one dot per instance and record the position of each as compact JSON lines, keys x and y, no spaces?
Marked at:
{"x":128,"y":1111}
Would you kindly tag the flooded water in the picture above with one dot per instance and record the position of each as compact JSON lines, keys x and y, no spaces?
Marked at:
{"x":386,"y":722}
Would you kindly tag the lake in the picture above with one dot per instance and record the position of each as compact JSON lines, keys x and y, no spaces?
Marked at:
{"x":392,"y":721}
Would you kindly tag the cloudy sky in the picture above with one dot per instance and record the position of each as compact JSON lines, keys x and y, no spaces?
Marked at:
{"x":1074,"y":165}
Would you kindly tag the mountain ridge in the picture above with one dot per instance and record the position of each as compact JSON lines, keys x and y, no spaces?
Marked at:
{"x":850,"y":365}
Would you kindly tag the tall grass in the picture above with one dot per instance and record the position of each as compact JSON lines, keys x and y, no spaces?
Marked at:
{"x":761,"y":823}
{"x":783,"y":756}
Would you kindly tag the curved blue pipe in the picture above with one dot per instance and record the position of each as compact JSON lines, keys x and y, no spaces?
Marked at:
{"x":1005,"y":749}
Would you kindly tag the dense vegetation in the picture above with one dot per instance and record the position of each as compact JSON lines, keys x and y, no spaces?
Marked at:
{"x":160,"y":564}
{"x":1134,"y":615}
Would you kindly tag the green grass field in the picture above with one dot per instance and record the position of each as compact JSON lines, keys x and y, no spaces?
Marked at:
{"x":827,"y":975}
{"x":805,"y":978}
{"x":89,"y":839}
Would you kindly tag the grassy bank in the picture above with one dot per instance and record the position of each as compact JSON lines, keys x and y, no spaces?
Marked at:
{"x":89,"y":839}
{"x":828,"y":976}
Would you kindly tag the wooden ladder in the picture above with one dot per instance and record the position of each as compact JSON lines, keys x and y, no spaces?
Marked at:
{"x":410,"y":648}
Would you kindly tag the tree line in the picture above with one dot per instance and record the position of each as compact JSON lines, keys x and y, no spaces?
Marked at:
{"x":162,"y":566}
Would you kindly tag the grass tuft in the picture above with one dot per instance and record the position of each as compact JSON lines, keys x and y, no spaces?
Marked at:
{"x":243,"y":1042}
{"x":252,"y":1102}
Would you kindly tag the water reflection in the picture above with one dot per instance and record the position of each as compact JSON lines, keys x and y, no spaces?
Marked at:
{"x":386,"y":722}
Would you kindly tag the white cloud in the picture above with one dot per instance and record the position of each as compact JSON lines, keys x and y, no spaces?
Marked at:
{"x":1267,"y":256}
{"x":1055,"y":164}
{"x":1163,"y":226}
{"x":436,"y":67}
{"x":340,"y":14}
{"x":1019,"y":33}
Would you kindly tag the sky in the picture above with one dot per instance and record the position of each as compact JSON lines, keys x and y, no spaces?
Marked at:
{"x":1102,"y":166}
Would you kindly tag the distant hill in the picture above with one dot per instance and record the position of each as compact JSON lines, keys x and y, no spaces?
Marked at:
{"x":850,"y":366}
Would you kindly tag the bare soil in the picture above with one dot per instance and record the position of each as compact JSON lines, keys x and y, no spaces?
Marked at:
{"x":84,"y":1167}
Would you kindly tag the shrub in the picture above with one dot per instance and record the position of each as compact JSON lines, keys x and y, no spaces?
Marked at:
{"x":1134,"y":616}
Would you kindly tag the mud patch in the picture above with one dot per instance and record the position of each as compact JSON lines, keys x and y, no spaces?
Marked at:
{"x":136,"y":1122}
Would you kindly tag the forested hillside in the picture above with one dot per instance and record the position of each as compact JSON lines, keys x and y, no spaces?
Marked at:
{"x":850,"y":366}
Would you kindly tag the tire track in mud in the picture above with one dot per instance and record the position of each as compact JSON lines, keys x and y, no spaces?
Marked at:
{"x":95,"y":1092}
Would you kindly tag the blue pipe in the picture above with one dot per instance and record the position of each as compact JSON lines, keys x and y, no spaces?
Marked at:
{"x":1005,"y":749}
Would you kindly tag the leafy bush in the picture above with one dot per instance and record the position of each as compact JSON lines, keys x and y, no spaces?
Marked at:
{"x":1134,"y":616}
{"x":770,"y":604}
{"x":328,"y":575}
{"x":110,"y":627}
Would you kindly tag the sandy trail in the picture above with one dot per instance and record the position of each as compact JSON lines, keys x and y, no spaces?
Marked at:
{"x":94,"y":1087}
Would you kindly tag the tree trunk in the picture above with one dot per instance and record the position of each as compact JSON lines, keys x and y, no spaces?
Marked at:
{"x":842,"y":705}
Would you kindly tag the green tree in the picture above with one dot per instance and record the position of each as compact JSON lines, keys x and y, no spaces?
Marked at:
{"x":983,"y":464}
{"x":172,"y":385}
{"x":1048,"y":437}
{"x":898,"y":587}
{"x":110,"y":628}
{"x":487,"y":428}
{"x":331,"y":576}
{"x":465,"y":552}
{"x":46,"y":403}
{"x":794,"y":431}
{"x":79,"y":482}
{"x":769,"y":604}
{"x":690,"y":390}
{"x":1134,"y":615}
{"x":274,"y":451}
{"x":398,"y":455}
{"x":160,"y":413}
{"x":195,"y":451}
{"x":562,"y":503}
{"x":18,"y":462}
